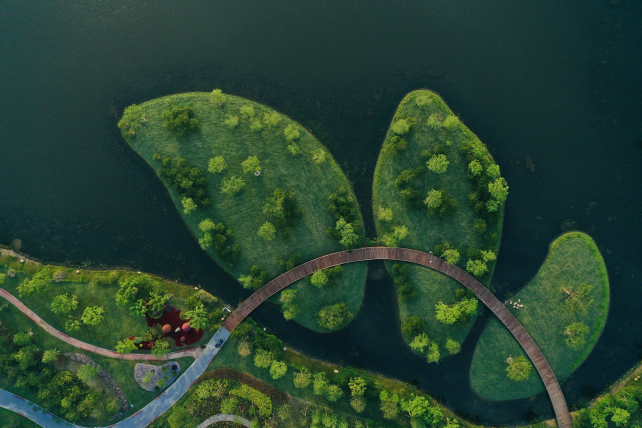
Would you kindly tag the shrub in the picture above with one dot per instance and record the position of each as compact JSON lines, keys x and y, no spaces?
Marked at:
{"x":384,"y":214}
{"x":232,"y":185}
{"x":232,"y":121}
{"x":180,"y":120}
{"x":263,"y":358}
{"x":519,"y":368}
{"x":291,"y":133}
{"x":217,"y":164}
{"x":218,"y":97}
{"x":271,"y":119}
{"x":394,"y":146}
{"x":248,"y":111}
{"x":294,"y":148}
{"x":476,"y":267}
{"x":160,"y":348}
{"x":398,"y":234}
{"x":125,"y":346}
{"x":63,"y":304}
{"x":413,"y":326}
{"x":87,"y":373}
{"x":267,"y":231}
{"x":319,"y":279}
{"x":319,"y":156}
{"x":278,"y":369}
{"x":92,"y":315}
{"x":251,"y":164}
{"x":256,"y":126}
{"x":401,"y":127}
{"x":260,"y":400}
{"x":302,"y":379}
{"x":188,"y":205}
{"x":453,"y":346}
{"x":37,"y":284}
{"x":334,"y":316}
{"x":438,"y":164}
{"x":130,"y":121}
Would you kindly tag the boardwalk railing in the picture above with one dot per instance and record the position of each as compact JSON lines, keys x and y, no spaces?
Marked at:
{"x":431,"y":261}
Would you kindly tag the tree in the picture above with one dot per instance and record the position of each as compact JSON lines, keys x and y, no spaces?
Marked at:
{"x":398,"y":234}
{"x":248,"y":111}
{"x":87,"y":373}
{"x":256,"y":126}
{"x":156,"y":303}
{"x":390,"y":409}
{"x":479,"y":225}
{"x":413,"y":326}
{"x":217,"y":164}
{"x":320,"y":383}
{"x":272,"y":119}
{"x":451,"y":255}
{"x":452,"y":346}
{"x":251,"y":164}
{"x":519,"y":368}
{"x":493,"y":171}
{"x":291,"y":133}
{"x":492,"y":206}
{"x":416,"y":406}
{"x":319,"y":156}
{"x":188,"y":205}
{"x":357,"y":386}
{"x":401,"y":127}
{"x":475,"y":168}
{"x":130,"y":121}
{"x":38,"y":283}
{"x":420,"y":342}
{"x":206,"y":225}
{"x":63,"y":304}
{"x":384,"y":214}
{"x":232,"y":185}
{"x":438,"y":163}
{"x":346,"y":231}
{"x":263,"y":358}
{"x":244,"y":349}
{"x":197,"y":316}
{"x":450,"y":122}
{"x":23,"y":339}
{"x":126,"y":346}
{"x":180,"y":120}
{"x":294,"y":148}
{"x":433,"y":354}
{"x":448,"y":314}
{"x":302,"y":379}
{"x":232,"y":121}
{"x":334,"y":316}
{"x":218,"y":97}
{"x":499,"y":189}
{"x":278,"y":369}
{"x":620,"y":416}
{"x":161,"y":347}
{"x":72,"y":324}
{"x":422,"y":100}
{"x":333,"y":393}
{"x":138,"y":309}
{"x":488,"y":256}
{"x":576,"y":335}
{"x":578,"y":297}
{"x":126,"y":292}
{"x":267,"y":231}
{"x":50,"y":355}
{"x":434,"y":199}
{"x":319,"y":279}
{"x":92,"y":315}
{"x":476,"y":267}
{"x":358,"y":403}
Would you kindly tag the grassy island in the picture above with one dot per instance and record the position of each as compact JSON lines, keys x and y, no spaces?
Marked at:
{"x":259,"y":192}
{"x":437,"y":188}
{"x":564,"y":308}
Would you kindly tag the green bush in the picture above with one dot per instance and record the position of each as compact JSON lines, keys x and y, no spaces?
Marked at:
{"x":260,"y":400}
{"x":180,"y":120}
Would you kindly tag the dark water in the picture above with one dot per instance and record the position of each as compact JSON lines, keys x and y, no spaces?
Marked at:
{"x":553,"y":86}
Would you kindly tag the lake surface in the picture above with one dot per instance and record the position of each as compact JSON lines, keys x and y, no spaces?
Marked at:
{"x":552,"y":87}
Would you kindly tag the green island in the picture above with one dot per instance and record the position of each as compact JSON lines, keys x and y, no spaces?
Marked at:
{"x":437,"y":188}
{"x":259,"y":192}
{"x":564,"y":308}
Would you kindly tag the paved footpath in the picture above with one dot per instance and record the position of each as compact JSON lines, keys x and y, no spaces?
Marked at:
{"x":224,"y":418}
{"x":140,"y":419}
{"x":192,"y":352}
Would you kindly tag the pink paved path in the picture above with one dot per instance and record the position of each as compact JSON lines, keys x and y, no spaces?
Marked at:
{"x":192,"y":352}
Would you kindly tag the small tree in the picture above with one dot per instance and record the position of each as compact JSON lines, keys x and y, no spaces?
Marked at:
{"x":180,"y":120}
{"x":73,"y":324}
{"x":138,"y":309}
{"x":50,"y":355}
{"x":206,"y":225}
{"x":267,"y":231}
{"x":232,"y":121}
{"x":63,"y":304}
{"x":451,"y":255}
{"x":438,"y":163}
{"x":384,"y":214}
{"x":248,"y":111}
{"x":126,"y":346}
{"x":302,"y":379}
{"x":218,"y":97}
{"x":476,"y":267}
{"x":398,"y":234}
{"x":453,"y":346}
{"x":357,"y":386}
{"x":488,"y":256}
{"x":251,"y":164}
{"x":188,"y":205}
{"x":319,"y":279}
{"x":416,"y":405}
{"x":130,"y":121}
{"x":576,"y":335}
{"x":217,"y":164}
{"x":291,"y":133}
{"x":475,"y":168}
{"x":349,"y":237}
{"x":519,"y":368}
{"x":333,"y":317}
{"x":479,"y":225}
{"x":92,"y":315}
{"x":232,"y":185}
{"x":434,"y":199}
{"x":320,"y":383}
{"x":333,"y":393}
{"x":294,"y":148}
{"x":87,"y":373}
{"x":319,"y":156}
{"x":420,"y":342}
{"x":401,"y":127}
{"x":433,"y":353}
{"x":160,"y":348}
{"x":358,"y":403}
{"x":450,"y":122}
{"x":278,"y":369}
{"x":448,"y":314}
{"x":272,"y":119}
{"x":493,"y":171}
{"x":492,"y":206}
{"x":263,"y":358}
{"x":499,"y":189}
{"x":197,"y":316}
{"x":256,"y":126}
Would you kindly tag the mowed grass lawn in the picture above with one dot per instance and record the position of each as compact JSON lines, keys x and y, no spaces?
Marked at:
{"x":242,"y":213}
{"x":573,"y":259}
{"x":427,"y":232}
{"x":121,"y":370}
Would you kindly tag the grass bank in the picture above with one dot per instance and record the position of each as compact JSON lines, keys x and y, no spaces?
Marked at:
{"x":301,"y":166}
{"x":573,"y":260}
{"x":435,"y":130}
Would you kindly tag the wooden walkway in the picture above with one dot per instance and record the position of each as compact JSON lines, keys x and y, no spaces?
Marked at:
{"x":431,"y":261}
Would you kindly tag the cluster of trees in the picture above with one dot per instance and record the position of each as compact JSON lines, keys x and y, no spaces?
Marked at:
{"x":131,"y":120}
{"x":405,"y":290}
{"x":288,"y":304}
{"x":256,"y":279}
{"x":283,"y":207}
{"x":152,"y":297}
{"x":413,"y":328}
{"x":618,"y":408}
{"x":61,"y":392}
{"x":220,"y":238}
{"x":289,"y":264}
{"x":180,"y":120}
{"x":458,"y":312}
{"x":187,"y":181}
{"x":334,"y":316}
{"x":38,"y":283}
{"x":325,"y":277}
{"x":345,"y":211}
{"x":491,"y":188}
{"x":478,"y":260}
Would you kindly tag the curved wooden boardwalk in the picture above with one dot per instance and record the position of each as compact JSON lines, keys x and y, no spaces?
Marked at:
{"x":192,"y":352}
{"x":431,"y":261}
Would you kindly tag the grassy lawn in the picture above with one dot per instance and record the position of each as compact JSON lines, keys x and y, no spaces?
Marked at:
{"x":573,"y":259}
{"x":311,"y":182}
{"x":426,"y":232}
{"x":117,"y":324}
{"x":122,"y":371}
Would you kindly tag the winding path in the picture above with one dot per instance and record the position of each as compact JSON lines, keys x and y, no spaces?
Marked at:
{"x":154,"y":409}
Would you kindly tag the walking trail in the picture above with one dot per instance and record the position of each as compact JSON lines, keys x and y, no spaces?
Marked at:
{"x":154,"y":409}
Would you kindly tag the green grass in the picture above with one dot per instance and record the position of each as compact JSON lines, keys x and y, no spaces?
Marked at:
{"x":243,"y":213}
{"x":117,"y":324}
{"x":121,"y":370}
{"x":572,"y":260}
{"x":9,"y":419}
{"x":426,"y":232}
